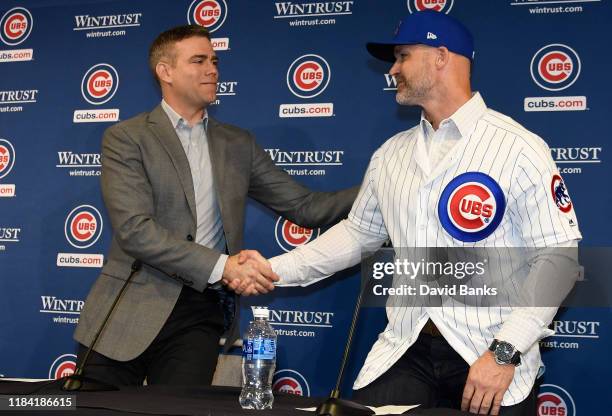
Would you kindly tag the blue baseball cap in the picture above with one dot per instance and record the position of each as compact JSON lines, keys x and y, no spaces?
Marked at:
{"x":426,"y":28}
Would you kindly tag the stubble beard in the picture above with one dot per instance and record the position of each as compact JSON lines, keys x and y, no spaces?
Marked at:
{"x":414,"y":93}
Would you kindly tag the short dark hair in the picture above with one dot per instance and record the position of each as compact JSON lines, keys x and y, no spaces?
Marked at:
{"x":162,"y":46}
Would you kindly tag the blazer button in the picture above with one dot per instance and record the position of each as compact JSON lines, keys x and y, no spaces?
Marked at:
{"x":189,"y":237}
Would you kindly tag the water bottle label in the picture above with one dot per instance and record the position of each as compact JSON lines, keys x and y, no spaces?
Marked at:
{"x":259,"y":349}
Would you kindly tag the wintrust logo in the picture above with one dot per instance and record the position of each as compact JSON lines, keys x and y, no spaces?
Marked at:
{"x":79,"y":164}
{"x":570,"y":334}
{"x":306,"y":157}
{"x":576,"y":154}
{"x":390,"y":83}
{"x":62,"y":311}
{"x":84,"y":22}
{"x":321,"y":319}
{"x":573,"y":160}
{"x":106,"y":25}
{"x":319,"y":8}
{"x":554,"y":6}
{"x":576,"y":329}
{"x":312,"y":14}
{"x":226,"y":89}
{"x":306,"y":162}
{"x":12,"y":101}
{"x":9,"y":235}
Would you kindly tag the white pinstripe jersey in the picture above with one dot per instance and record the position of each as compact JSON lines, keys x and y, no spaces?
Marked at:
{"x":399,"y":200}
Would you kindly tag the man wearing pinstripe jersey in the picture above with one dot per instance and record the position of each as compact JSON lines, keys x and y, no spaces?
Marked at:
{"x":454,"y":354}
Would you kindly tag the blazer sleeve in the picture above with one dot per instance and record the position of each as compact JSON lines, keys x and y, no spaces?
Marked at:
{"x":274,"y":188}
{"x":130,"y":201}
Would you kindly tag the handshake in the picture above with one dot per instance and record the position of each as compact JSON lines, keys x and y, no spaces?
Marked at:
{"x":249,"y":273}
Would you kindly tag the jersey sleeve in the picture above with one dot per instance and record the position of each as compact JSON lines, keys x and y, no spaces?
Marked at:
{"x":365,"y":214}
{"x":539,"y":200}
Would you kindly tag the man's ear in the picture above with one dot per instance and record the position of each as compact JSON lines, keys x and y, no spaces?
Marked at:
{"x":164,"y":72}
{"x":442,"y":57}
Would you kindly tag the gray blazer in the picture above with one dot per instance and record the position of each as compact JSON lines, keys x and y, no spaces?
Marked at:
{"x":148,"y":191}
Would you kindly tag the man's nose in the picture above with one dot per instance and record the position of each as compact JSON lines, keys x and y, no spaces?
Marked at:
{"x":394,"y":70}
{"x":212,"y":70}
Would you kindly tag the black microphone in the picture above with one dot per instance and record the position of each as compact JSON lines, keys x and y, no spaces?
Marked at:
{"x":334,"y":405}
{"x":75,"y":381}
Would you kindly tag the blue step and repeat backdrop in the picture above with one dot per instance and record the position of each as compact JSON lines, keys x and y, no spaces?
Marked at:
{"x":297,"y":74}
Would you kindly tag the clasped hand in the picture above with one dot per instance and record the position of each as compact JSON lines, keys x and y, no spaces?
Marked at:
{"x":249,"y":273}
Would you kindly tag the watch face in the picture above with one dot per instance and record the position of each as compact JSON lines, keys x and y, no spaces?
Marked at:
{"x":504,"y":351}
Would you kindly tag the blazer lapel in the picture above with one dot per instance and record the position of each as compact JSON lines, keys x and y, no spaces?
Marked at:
{"x":163,"y":130}
{"x":216,"y":149}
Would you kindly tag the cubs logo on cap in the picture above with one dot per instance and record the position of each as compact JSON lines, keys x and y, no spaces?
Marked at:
{"x":83,"y":226}
{"x":471,"y":207}
{"x":291,"y":382}
{"x":210,"y":14}
{"x":443,"y":6}
{"x":555,"y":67}
{"x":7,"y":157}
{"x":15,"y":26}
{"x":559,"y":194}
{"x":289,"y":235}
{"x":99,"y":84}
{"x":555,"y":400}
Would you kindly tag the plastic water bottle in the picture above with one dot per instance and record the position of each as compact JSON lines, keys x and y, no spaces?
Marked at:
{"x":258,"y":362}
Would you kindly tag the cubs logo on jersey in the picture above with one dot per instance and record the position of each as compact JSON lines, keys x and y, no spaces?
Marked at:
{"x":471,"y":207}
{"x":559,"y":194}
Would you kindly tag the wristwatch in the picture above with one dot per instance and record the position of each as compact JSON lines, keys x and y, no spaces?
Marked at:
{"x":505,"y":353}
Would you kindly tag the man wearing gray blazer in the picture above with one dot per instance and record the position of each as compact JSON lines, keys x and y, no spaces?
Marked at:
{"x":175,"y":183}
